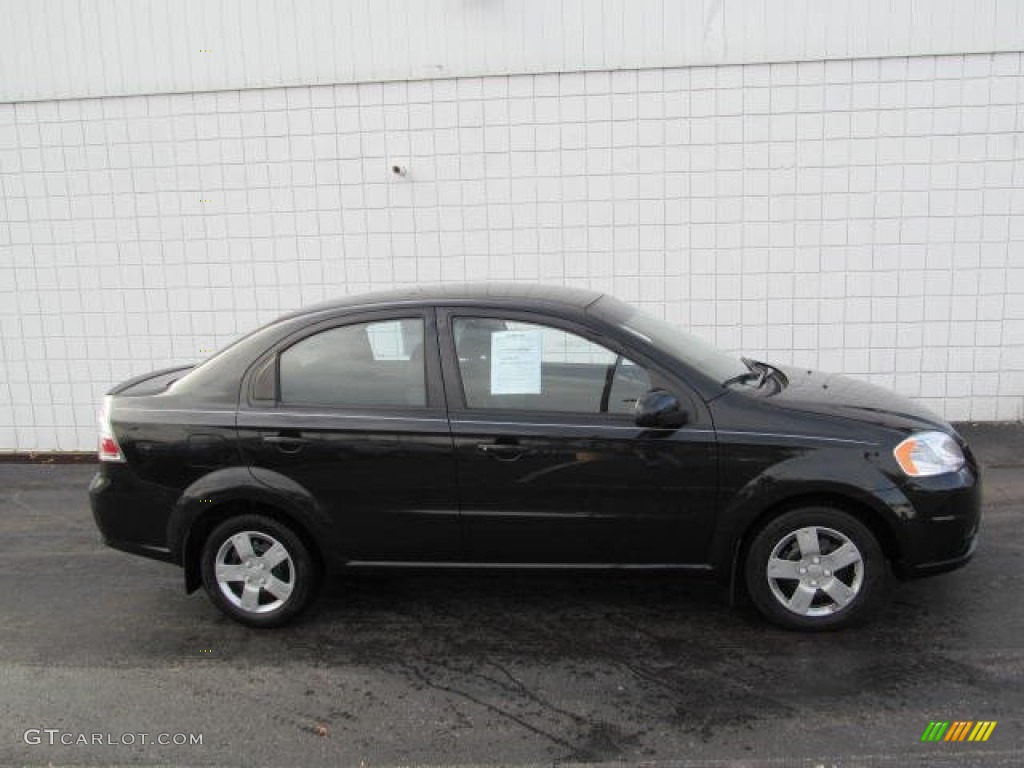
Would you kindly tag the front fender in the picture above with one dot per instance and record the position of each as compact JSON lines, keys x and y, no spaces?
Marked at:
{"x":825,"y":473}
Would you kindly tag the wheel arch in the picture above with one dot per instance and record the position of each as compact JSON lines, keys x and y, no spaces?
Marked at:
{"x":201,"y":527}
{"x":235,"y":491}
{"x":866,"y":513}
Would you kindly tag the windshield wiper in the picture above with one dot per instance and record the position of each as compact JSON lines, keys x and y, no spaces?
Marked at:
{"x":742,"y":377}
{"x":758,"y":371}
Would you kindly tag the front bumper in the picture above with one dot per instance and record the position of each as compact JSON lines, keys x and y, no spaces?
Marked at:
{"x":941,"y":532}
{"x":942,"y":566}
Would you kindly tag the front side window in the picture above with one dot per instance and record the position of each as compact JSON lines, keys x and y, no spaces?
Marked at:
{"x":508,"y":364}
{"x":374,"y":364}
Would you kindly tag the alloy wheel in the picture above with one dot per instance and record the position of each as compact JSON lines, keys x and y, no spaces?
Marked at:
{"x":254,"y":572}
{"x":815,"y":571}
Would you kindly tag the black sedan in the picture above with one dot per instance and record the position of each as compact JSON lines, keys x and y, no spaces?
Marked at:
{"x":525,"y":426}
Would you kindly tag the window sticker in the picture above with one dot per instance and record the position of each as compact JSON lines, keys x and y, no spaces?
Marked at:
{"x":515,"y":362}
{"x":387,"y":340}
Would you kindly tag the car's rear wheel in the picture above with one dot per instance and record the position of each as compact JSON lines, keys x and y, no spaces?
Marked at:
{"x":258,"y":571}
{"x":816,"y":568}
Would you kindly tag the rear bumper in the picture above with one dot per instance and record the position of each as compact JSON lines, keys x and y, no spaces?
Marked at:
{"x":154,"y":553}
{"x":130,"y":514}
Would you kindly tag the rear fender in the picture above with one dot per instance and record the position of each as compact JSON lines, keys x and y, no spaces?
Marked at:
{"x":208,"y":497}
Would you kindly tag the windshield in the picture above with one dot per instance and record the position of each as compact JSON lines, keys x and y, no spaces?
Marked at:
{"x":694,"y":352}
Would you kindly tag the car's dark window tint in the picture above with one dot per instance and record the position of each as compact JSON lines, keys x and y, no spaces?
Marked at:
{"x":359,"y":365}
{"x":510,"y":364}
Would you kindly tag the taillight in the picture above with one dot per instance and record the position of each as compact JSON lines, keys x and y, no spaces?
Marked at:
{"x":109,"y":449}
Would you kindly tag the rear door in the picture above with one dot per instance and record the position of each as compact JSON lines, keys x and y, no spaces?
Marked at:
{"x":552,"y":467}
{"x":352,"y":411}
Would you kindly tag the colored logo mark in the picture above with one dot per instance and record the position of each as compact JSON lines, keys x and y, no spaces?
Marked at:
{"x":959,"y":730}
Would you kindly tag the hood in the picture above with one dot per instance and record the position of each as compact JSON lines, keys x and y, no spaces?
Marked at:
{"x":832,"y":394}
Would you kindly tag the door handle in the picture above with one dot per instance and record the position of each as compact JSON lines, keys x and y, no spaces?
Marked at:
{"x":286,"y":443}
{"x":502,"y":451}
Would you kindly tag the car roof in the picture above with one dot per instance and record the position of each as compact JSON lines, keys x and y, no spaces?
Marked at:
{"x":522,"y":295}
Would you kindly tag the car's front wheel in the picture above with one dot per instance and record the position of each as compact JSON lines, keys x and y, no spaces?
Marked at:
{"x":816,"y":568}
{"x":258,"y":571}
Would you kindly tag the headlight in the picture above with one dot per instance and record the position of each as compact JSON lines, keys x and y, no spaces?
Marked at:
{"x":928,"y":453}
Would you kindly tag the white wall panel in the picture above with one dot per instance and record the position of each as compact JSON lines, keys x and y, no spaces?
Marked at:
{"x":53,"y":49}
{"x":864,"y":216}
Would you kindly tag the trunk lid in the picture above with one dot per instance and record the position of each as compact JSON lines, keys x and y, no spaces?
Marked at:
{"x":152,"y":383}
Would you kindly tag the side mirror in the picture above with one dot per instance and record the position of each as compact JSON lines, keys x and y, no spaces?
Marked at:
{"x":659,"y":409}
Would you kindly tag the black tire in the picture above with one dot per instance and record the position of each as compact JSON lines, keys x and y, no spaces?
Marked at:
{"x":829,"y":597}
{"x":282,"y":589}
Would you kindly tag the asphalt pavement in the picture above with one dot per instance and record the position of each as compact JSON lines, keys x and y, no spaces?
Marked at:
{"x":493,"y":669}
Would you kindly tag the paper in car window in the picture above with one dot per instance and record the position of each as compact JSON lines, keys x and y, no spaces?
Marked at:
{"x":515,"y":362}
{"x":387,"y":341}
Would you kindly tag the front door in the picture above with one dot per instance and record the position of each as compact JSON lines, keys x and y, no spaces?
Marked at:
{"x":353,"y":414}
{"x":551,"y":466}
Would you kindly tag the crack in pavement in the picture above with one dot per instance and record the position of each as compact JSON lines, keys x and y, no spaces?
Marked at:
{"x":503,"y":713}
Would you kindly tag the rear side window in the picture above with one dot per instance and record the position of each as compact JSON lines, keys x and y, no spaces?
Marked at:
{"x":376,"y":364}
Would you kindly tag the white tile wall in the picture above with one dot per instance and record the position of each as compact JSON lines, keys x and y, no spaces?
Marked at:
{"x":860,"y":216}
{"x":57,"y":49}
